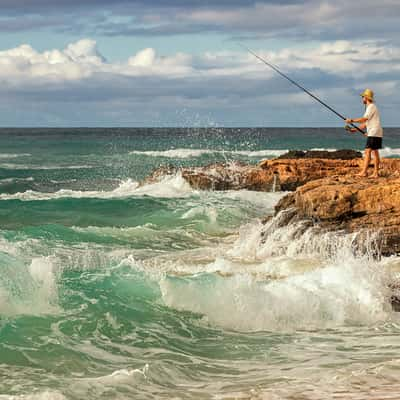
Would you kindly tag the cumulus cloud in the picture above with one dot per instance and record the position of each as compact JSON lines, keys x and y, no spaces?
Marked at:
{"x":24,"y":65}
{"x":82,"y":59}
{"x":220,"y":82}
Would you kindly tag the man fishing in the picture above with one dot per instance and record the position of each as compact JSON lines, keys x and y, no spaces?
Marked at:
{"x":371,"y":119}
{"x":372,"y":122}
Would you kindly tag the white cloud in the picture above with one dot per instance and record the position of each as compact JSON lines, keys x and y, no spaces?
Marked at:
{"x":144,"y":58}
{"x":24,"y":65}
{"x":84,"y":51}
{"x":217,"y":81}
{"x":359,"y":61}
{"x":82,"y":59}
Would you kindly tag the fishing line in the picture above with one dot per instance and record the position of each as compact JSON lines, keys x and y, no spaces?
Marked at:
{"x":300,"y":87}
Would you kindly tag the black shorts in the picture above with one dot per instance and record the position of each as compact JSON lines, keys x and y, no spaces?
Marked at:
{"x":374,"y":143}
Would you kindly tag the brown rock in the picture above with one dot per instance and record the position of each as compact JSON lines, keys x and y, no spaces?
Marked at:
{"x":352,"y":204}
{"x":297,"y":172}
{"x":233,"y":176}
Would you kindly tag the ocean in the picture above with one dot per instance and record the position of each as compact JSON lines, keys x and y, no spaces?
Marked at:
{"x":114,"y":290}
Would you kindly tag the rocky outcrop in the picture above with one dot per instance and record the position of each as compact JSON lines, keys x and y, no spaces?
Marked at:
{"x":269,"y":175}
{"x":297,"y":172}
{"x":232,"y":176}
{"x":352,"y":205}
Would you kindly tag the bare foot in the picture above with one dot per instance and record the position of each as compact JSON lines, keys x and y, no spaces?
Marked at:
{"x":362,"y":174}
{"x":375,"y":176}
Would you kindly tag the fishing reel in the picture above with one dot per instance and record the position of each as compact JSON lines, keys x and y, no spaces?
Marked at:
{"x":349,"y":128}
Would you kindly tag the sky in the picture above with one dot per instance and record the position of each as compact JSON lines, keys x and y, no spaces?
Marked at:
{"x":179,"y":63}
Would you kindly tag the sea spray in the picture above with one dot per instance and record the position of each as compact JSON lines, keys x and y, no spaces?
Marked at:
{"x":27,"y":289}
{"x":285,"y":235}
{"x":325,"y":298}
{"x":193,"y":153}
{"x":341,"y":289}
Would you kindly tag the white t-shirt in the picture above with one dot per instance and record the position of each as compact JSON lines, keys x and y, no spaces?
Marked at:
{"x":374,"y":127}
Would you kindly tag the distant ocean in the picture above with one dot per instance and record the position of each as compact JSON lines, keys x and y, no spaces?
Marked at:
{"x":112,"y":290}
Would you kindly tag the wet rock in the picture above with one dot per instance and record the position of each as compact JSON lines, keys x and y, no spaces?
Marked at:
{"x":327,"y":155}
{"x":353,"y":205}
{"x":232,"y":176}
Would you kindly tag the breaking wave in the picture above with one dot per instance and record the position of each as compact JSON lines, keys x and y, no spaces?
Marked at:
{"x":279,"y":279}
{"x":183,"y":153}
{"x":168,"y":187}
{"x":189,"y":153}
{"x":12,"y":155}
{"x":43,"y":167}
{"x":390,"y":152}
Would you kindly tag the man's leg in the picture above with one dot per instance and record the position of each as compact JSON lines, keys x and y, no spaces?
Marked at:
{"x":376,"y":164}
{"x":367,"y":160}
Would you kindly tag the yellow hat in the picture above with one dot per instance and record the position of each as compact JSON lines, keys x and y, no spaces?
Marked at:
{"x":368,"y":93}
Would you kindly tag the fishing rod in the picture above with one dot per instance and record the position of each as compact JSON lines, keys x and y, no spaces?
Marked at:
{"x":302,"y":88}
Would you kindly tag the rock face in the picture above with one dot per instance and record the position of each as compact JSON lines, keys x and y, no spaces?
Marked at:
{"x":297,"y":172}
{"x":351,"y":204}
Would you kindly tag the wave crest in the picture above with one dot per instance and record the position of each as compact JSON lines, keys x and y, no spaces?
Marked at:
{"x":193,"y":153}
{"x":169,"y":187}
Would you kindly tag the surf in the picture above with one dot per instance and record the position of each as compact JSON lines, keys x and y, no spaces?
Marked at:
{"x":112,"y":286}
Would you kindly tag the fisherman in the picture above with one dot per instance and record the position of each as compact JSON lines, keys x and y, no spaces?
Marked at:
{"x":371,"y":120}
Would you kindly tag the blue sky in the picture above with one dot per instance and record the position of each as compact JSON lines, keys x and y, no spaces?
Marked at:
{"x":175,"y":62}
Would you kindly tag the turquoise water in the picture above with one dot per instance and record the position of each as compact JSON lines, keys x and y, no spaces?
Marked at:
{"x":111,"y":290}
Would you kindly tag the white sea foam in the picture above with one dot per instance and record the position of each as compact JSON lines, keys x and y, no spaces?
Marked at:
{"x":192,"y":153}
{"x":63,"y":181}
{"x":169,"y":186}
{"x":263,"y":200}
{"x":390,"y":152}
{"x":42,"y":271}
{"x":128,"y":375}
{"x":385,"y":152}
{"x":350,"y":293}
{"x":257,"y":241}
{"x":323,"y":149}
{"x":47,"y":395}
{"x":121,"y":378}
{"x":13,"y":155}
{"x":11,"y":180}
{"x":28,"y":289}
{"x":43,"y":167}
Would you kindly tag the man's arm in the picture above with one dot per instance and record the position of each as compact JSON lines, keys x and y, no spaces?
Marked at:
{"x":361,"y":120}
